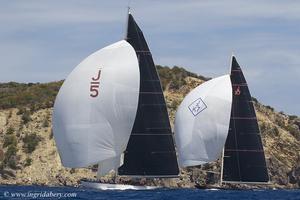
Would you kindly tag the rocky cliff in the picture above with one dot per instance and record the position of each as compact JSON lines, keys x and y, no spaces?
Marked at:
{"x":28,"y":154}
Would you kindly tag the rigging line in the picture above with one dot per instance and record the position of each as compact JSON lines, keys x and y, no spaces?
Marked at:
{"x":143,"y":51}
{"x":152,"y":134}
{"x":209,"y":171}
{"x":150,"y":92}
{"x":152,"y":104}
{"x":246,"y":118}
{"x":240,"y":84}
{"x":244,"y":150}
{"x":158,"y":128}
{"x":161,"y":152}
{"x":236,"y":70}
{"x":150,"y":80}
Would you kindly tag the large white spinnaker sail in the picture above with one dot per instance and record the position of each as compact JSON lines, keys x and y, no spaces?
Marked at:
{"x":202,"y":122}
{"x":96,"y":106}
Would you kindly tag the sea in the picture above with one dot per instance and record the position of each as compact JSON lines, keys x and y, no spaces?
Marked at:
{"x":40,"y":192}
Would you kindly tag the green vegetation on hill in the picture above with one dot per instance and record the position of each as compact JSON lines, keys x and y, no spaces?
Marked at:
{"x":175,"y":77}
{"x":35,"y":96}
{"x":10,"y":144}
{"x":30,"y":142}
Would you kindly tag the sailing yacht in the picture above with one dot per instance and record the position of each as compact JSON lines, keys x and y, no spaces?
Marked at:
{"x":111,"y":111}
{"x":218,"y":118}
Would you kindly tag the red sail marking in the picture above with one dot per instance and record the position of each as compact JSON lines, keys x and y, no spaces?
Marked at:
{"x":94,"y":87}
{"x":98,"y":76}
{"x":237,"y":92}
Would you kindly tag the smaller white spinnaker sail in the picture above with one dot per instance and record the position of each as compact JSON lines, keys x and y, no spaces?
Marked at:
{"x":202,"y":122}
{"x":96,"y":106}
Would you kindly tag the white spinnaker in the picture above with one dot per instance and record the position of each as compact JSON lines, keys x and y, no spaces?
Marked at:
{"x":202,"y":122}
{"x":90,"y":130}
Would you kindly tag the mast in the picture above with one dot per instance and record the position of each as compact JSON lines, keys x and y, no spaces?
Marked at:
{"x":244,"y":159}
{"x":222,"y":165}
{"x":127,"y":21}
{"x":150,"y":151}
{"x":222,"y":156}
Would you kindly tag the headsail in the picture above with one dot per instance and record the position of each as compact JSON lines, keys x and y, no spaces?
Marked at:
{"x":244,"y":159}
{"x":96,"y":106}
{"x":150,"y":150}
{"x":202,"y":122}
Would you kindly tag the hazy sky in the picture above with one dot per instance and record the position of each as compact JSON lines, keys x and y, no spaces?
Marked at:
{"x":43,"y":41}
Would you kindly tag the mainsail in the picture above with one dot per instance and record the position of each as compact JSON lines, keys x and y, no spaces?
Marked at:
{"x":150,"y":151}
{"x":202,"y":122}
{"x":243,"y":159}
{"x":96,"y":107}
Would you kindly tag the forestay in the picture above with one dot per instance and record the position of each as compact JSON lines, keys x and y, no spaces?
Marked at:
{"x":202,"y":122}
{"x":96,"y":106}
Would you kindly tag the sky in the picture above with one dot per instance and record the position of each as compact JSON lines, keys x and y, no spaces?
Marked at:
{"x":42,"y":41}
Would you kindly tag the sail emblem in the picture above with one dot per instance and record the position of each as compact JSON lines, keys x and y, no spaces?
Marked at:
{"x":237,"y":92}
{"x":197,"y":106}
{"x":94,"y":88}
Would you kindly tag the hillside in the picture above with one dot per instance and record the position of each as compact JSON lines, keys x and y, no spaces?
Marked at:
{"x":29,"y":155}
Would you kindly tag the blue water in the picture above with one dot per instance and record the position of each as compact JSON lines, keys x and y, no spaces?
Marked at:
{"x":37,"y":192}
